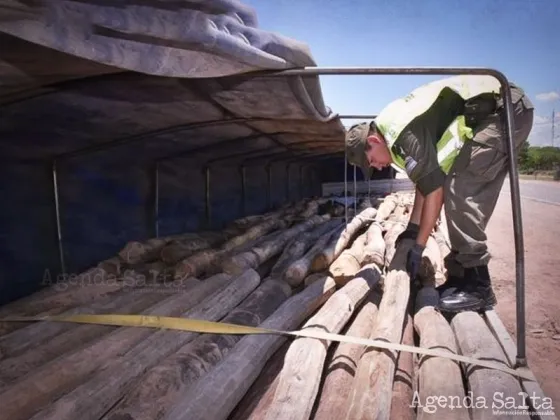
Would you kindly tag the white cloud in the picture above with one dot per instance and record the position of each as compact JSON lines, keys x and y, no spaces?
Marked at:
{"x":537,"y":119}
{"x":548,"y":96}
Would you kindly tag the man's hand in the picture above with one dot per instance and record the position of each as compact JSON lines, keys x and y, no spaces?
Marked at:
{"x":413,"y":261}
{"x":411,"y":232}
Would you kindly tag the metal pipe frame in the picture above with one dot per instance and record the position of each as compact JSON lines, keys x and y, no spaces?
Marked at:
{"x":356,"y":117}
{"x":268,"y":186}
{"x":288,"y":181}
{"x":243,"y":170}
{"x":521,"y":359}
{"x":156,"y":199}
{"x":207,"y":204}
{"x":58,"y":221}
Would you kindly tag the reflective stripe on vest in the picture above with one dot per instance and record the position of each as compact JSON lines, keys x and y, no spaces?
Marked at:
{"x":393,"y":119}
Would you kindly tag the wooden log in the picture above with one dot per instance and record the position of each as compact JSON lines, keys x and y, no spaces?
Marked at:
{"x":299,"y":269}
{"x":303,"y":366}
{"x":349,"y":262}
{"x":114,"y":265}
{"x":99,"y":393}
{"x":38,"y":389}
{"x":474,"y":339}
{"x":311,"y":209}
{"x":235,"y":374}
{"x":145,"y":273}
{"x":438,"y":375}
{"x":40,"y":351}
{"x":312,"y":278}
{"x":179,"y":249}
{"x":254,"y":233}
{"x":256,"y":401}
{"x":299,"y":246}
{"x":538,"y":401}
{"x":372,"y":389}
{"x":335,"y":246}
{"x":386,"y":208}
{"x":341,"y":368}
{"x":374,"y":251}
{"x":157,"y":390}
{"x":136,"y":252}
{"x":390,"y":241}
{"x":19,"y":341}
{"x":430,"y":270}
{"x":403,"y":383}
{"x":444,"y":249}
{"x":209,"y":261}
{"x":59,"y":294}
{"x":266,"y":250}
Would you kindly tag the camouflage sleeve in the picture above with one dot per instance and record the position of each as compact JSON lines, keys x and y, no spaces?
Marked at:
{"x":417,"y":144}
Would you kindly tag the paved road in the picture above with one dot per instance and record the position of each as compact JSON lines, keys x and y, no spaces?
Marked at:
{"x":543,"y":191}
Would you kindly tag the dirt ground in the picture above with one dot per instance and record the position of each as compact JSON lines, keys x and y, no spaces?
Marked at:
{"x":542,"y":273}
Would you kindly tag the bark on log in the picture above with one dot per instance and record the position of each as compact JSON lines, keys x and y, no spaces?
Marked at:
{"x":44,"y":385}
{"x":259,"y":396}
{"x":95,"y":396}
{"x":438,"y":375}
{"x":76,"y":335}
{"x":266,"y":250}
{"x":299,"y":269}
{"x":254,"y":233}
{"x":337,"y":244}
{"x":136,"y":252}
{"x":314,"y":277}
{"x":430,"y":269}
{"x":386,"y":208}
{"x":209,"y":261}
{"x":303,"y":366}
{"x":114,"y":265}
{"x":390,"y":239}
{"x":474,"y":339}
{"x":235,"y":374}
{"x":311,"y":209}
{"x":157,"y":390}
{"x":374,"y":251}
{"x":178,"y":250}
{"x":299,"y":246}
{"x":403,"y":383}
{"x":35,"y":334}
{"x":341,"y":368}
{"x":372,"y":389}
{"x":444,"y":249}
{"x":86,"y":287}
{"x":349,"y":262}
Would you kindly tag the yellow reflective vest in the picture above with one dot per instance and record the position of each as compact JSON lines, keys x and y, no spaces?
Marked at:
{"x":396,"y":116}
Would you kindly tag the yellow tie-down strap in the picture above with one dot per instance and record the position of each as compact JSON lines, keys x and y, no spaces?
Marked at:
{"x":210,"y":327}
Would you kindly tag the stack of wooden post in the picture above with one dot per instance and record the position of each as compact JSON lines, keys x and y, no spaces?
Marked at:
{"x":297,"y":267}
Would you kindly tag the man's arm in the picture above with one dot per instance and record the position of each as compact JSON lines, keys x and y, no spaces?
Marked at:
{"x":423,"y":169}
{"x":416,"y":215}
{"x":431,"y":210}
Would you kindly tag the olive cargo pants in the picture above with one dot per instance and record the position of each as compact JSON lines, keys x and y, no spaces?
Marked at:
{"x":474,"y":183}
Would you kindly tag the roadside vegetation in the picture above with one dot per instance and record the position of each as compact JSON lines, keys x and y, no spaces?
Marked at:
{"x":540,"y":162}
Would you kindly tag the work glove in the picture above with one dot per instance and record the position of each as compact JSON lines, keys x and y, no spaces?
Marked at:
{"x":411,"y":232}
{"x":413,"y":261}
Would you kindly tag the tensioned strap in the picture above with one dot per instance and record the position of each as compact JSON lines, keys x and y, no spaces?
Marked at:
{"x":211,"y":327}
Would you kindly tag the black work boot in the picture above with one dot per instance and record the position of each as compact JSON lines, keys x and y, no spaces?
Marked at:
{"x":450,"y":286}
{"x":475,"y":294}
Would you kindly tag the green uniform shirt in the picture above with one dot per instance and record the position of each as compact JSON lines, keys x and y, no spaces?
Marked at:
{"x":418,"y":141}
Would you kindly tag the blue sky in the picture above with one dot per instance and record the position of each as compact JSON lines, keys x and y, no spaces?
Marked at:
{"x":519,"y":37}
